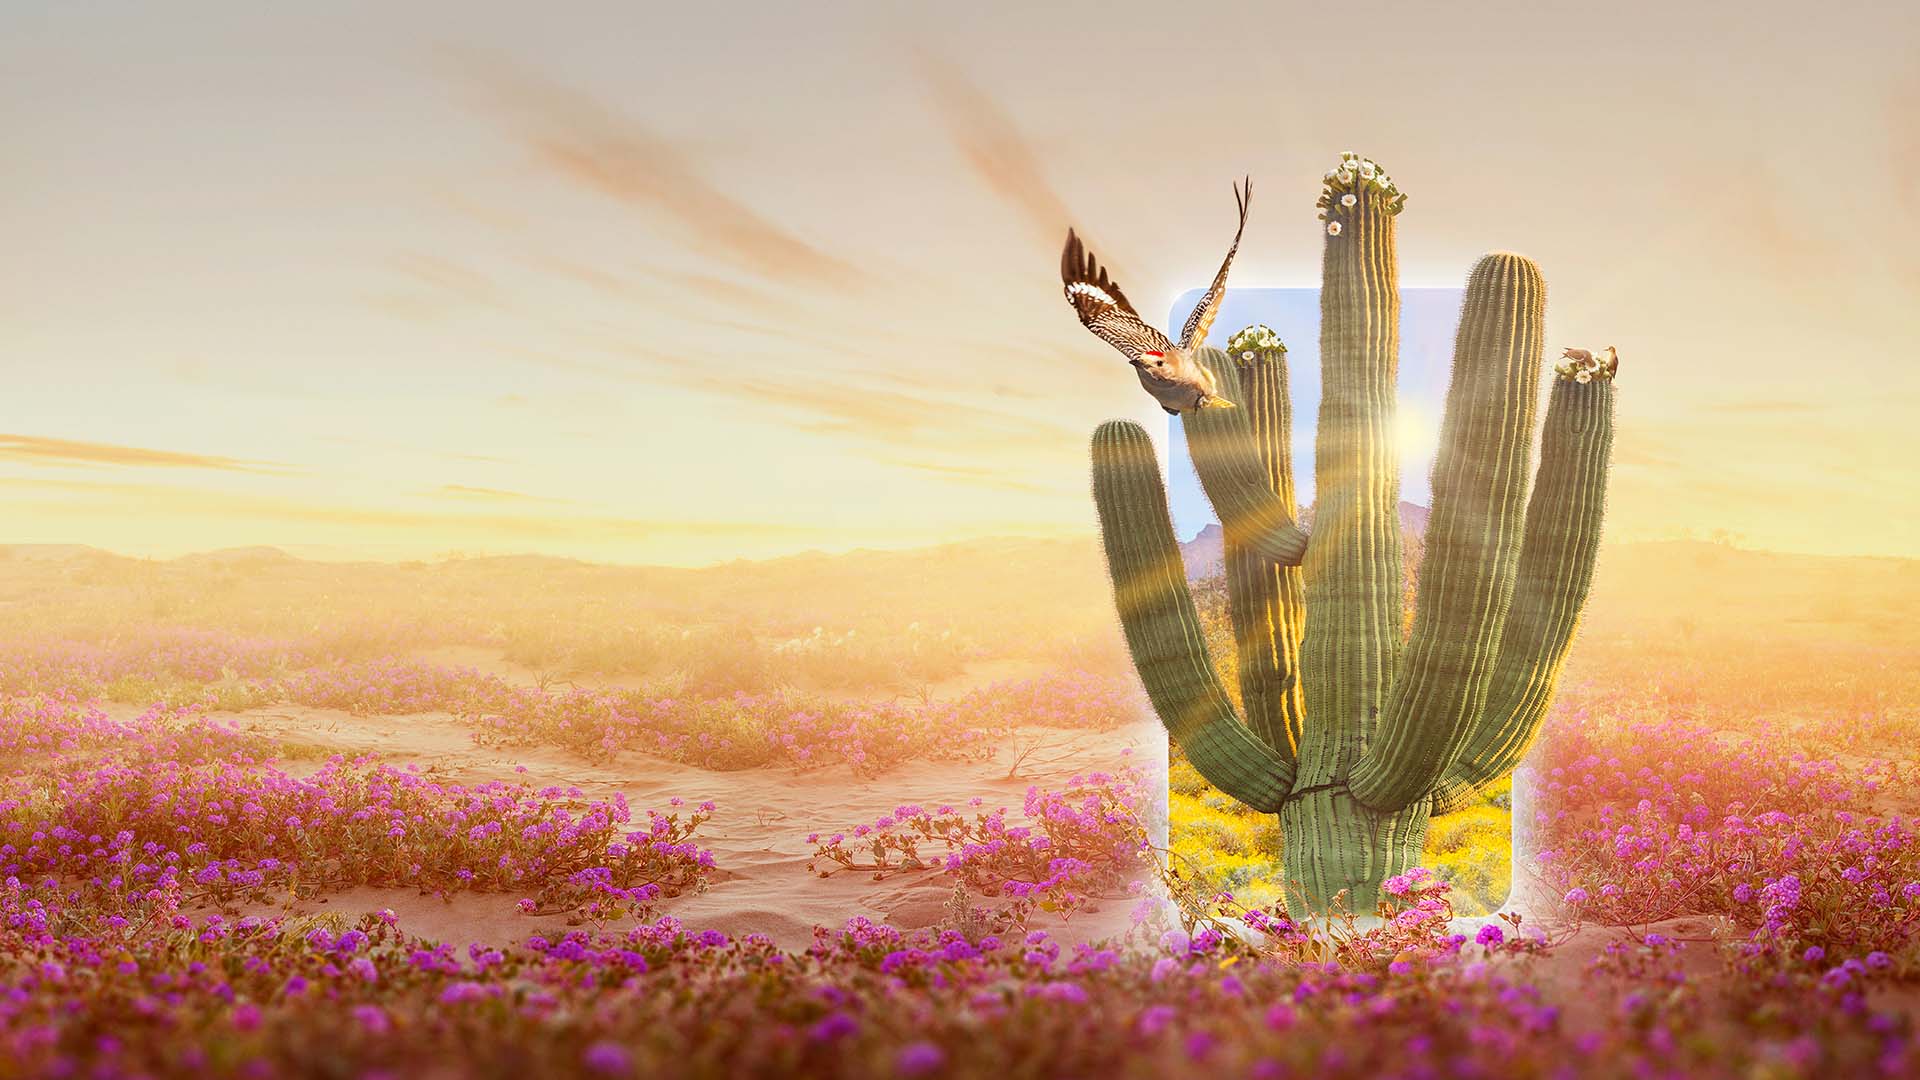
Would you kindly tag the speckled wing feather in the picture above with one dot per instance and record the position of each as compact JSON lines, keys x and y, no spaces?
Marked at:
{"x":1102,"y":307}
{"x":1194,"y":334}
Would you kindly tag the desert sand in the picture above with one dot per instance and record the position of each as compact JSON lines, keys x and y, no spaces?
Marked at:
{"x":758,"y":832}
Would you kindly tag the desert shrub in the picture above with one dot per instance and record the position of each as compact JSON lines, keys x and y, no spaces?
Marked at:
{"x":714,"y":662}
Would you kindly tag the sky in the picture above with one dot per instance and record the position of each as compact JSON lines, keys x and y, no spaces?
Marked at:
{"x":1428,"y":319}
{"x":660,"y":283}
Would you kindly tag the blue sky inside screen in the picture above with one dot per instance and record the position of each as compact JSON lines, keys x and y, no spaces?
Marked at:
{"x":1428,"y":318}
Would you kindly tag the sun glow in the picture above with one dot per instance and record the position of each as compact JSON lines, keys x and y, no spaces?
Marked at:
{"x":1418,"y":433}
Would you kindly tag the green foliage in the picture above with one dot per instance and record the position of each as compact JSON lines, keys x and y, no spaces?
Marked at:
{"x":1231,"y":847}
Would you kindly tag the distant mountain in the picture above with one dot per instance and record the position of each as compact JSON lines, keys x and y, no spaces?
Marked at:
{"x":1206,"y":554}
{"x":999,"y":593}
{"x":507,"y":564}
{"x":238,"y":556}
{"x":1413,"y":518}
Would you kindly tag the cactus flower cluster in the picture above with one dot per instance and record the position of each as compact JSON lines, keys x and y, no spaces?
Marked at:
{"x":1253,"y":339}
{"x":1346,"y":182}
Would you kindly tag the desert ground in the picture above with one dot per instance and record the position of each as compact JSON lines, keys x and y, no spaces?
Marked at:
{"x":825,"y":756}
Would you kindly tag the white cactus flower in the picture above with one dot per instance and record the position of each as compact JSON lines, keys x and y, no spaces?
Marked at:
{"x":1348,"y":199}
{"x":1367,"y":170}
{"x":1583,"y":376}
{"x":1248,"y":355}
{"x":1333,"y":228}
{"x":1346,"y":177}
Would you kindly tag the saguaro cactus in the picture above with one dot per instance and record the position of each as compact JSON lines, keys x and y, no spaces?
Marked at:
{"x":1351,"y":736}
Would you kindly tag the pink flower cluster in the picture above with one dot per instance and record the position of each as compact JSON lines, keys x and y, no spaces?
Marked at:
{"x":1080,"y":844}
{"x":1800,"y":850}
{"x":182,"y":804}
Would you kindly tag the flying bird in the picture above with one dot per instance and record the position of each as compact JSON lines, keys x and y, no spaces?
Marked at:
{"x":1171,"y":373}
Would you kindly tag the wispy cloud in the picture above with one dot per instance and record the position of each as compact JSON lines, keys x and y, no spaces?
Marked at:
{"x":999,"y":479}
{"x":994,"y":147}
{"x":43,"y":450}
{"x":1903,"y":159}
{"x":651,"y":365}
{"x":1762,"y":407}
{"x":596,"y":147}
{"x":891,"y":417}
{"x":486,"y":494}
{"x":734,"y":294}
{"x":446,"y":276}
{"x":882,"y":413}
{"x":1903,"y":139}
{"x":599,"y":279}
{"x":214,"y":504}
{"x":1752,"y":221}
{"x":483,"y":458}
{"x":434,"y":288}
{"x":874,"y":408}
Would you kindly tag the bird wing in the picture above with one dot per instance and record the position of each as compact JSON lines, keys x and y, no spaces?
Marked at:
{"x":1195,"y":333}
{"x":1102,"y":307}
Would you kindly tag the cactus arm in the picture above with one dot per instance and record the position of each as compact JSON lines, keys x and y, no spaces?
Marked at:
{"x":1351,"y":645}
{"x":1163,"y":630}
{"x":1556,"y":569}
{"x":1226,"y":455}
{"x":1473,"y":538}
{"x":1268,"y":599}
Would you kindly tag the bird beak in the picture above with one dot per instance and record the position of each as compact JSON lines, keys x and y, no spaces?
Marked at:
{"x":1216,"y":402}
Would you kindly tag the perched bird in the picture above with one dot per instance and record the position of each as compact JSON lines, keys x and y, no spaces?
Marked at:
{"x":1580,"y":365}
{"x":1169,"y":372}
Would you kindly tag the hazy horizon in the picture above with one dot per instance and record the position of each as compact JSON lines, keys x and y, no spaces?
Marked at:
{"x":322,"y":554}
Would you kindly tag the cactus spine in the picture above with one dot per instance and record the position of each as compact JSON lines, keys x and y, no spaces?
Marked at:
{"x":1351,"y":738}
